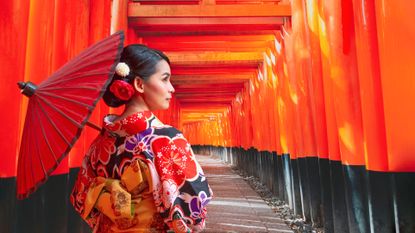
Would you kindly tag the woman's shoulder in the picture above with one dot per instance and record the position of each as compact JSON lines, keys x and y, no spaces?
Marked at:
{"x":162,"y":129}
{"x":168,"y":130}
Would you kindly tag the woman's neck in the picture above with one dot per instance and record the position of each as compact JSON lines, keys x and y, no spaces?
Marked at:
{"x":136,"y":104}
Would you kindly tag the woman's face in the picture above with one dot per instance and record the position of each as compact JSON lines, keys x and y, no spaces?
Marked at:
{"x":158,"y":89}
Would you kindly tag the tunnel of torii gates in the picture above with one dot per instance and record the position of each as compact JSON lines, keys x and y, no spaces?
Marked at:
{"x":315,"y":98}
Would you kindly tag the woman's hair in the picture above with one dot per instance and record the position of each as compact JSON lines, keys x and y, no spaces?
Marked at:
{"x":142,"y":62}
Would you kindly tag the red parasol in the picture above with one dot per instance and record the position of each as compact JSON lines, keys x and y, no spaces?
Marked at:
{"x":59,"y":108}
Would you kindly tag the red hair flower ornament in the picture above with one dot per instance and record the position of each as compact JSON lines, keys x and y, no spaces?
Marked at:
{"x":120,"y":88}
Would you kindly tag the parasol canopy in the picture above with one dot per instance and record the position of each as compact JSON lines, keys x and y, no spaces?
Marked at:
{"x":59,"y":108}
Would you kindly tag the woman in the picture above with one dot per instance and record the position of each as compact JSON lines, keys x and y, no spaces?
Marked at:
{"x":140,"y":175}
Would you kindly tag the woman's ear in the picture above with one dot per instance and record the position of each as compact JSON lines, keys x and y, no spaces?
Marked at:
{"x":139,"y":85}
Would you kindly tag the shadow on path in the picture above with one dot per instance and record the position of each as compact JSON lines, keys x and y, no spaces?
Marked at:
{"x":236,"y":207}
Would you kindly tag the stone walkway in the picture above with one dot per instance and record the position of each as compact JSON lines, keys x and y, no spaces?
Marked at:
{"x":236,"y":207}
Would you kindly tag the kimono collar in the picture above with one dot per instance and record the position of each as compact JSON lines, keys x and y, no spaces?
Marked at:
{"x":130,"y":125}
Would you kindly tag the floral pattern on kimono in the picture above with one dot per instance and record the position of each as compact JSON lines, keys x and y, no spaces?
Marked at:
{"x":175,"y":179}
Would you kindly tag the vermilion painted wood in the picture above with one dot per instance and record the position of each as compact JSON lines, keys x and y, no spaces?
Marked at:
{"x":171,"y":27}
{"x":140,"y":34}
{"x":316,"y":85}
{"x":231,"y":46}
{"x":300,"y":83}
{"x":332,"y":130}
{"x":257,"y":10}
{"x":397,"y":66}
{"x":205,"y":79}
{"x":344,"y":80}
{"x":14,"y":18}
{"x":217,"y":69}
{"x":370,"y":85}
{"x":207,"y":38}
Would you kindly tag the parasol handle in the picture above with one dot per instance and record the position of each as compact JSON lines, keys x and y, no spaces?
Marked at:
{"x":94,"y":126}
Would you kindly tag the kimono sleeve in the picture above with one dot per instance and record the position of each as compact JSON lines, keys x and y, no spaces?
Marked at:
{"x":86,"y":191}
{"x":184,"y":189}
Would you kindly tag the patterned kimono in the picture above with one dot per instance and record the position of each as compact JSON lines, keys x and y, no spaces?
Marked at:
{"x":140,"y":175}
